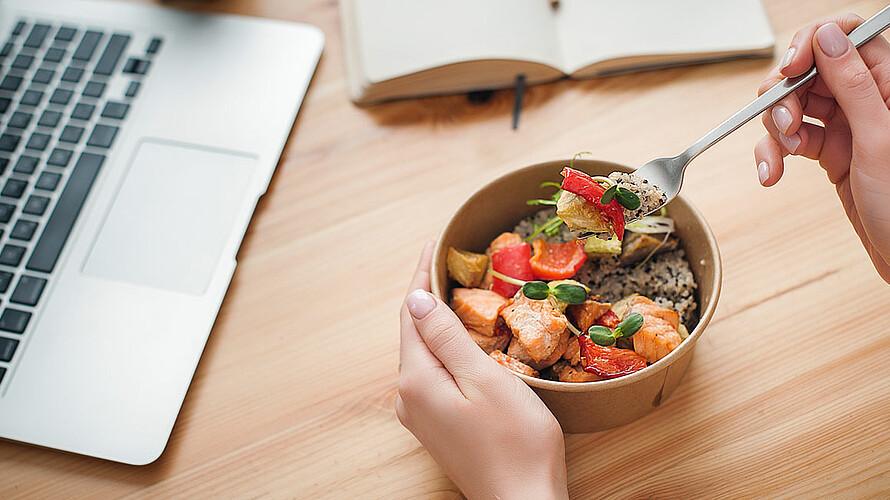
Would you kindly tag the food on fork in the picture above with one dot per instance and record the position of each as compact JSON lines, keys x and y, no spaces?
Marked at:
{"x":603,"y":205}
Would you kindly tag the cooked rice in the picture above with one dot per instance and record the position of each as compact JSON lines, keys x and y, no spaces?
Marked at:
{"x":651,"y":197}
{"x":665,"y":278}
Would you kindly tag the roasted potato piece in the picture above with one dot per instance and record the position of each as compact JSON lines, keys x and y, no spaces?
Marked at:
{"x":467,"y":268}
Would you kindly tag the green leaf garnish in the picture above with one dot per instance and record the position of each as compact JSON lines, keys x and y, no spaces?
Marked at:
{"x":627,"y":198}
{"x":629,"y":326}
{"x":608,"y":195}
{"x":571,"y":294}
{"x":551,"y":184}
{"x":536,"y":290}
{"x":600,"y":335}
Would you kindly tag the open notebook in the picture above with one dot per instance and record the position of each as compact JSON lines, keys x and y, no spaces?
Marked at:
{"x":404,"y":48}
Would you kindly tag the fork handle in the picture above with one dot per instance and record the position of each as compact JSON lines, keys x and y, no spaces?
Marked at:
{"x":863,"y":33}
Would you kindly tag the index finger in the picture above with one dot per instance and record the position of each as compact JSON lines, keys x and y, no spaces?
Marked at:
{"x":412,"y":350}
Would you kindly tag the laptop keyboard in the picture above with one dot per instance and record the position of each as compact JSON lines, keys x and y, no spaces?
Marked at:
{"x":65,"y":93}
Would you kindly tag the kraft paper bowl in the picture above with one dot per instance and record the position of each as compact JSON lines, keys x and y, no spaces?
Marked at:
{"x":590,"y":406}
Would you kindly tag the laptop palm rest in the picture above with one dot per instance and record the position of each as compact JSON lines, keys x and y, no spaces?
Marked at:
{"x":172,"y":217}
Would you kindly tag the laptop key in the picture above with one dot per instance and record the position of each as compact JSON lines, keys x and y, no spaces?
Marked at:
{"x":38,"y":141}
{"x":94,"y":89}
{"x":5,"y":280}
{"x":102,"y":136}
{"x":32,"y":98}
{"x":115,"y":110}
{"x":23,"y":230}
{"x":43,"y":76}
{"x":132,"y":89}
{"x":6,"y":211}
{"x":87,"y":46}
{"x":72,"y":75}
{"x":28,"y":290}
{"x":26,"y":164}
{"x":11,"y":83}
{"x":4,"y":162}
{"x":19,"y":119}
{"x":48,"y":181}
{"x":112,"y":54}
{"x":7,"y":349}
{"x":13,"y":320}
{"x":7,"y":49}
{"x":71,"y":134}
{"x":61,"y":96}
{"x":36,"y":205}
{"x":57,"y":229}
{"x":153,"y":46}
{"x":83,"y":111}
{"x":4,"y":104}
{"x":65,"y":34}
{"x":18,"y":28}
{"x":54,"y":55}
{"x":49,"y":119}
{"x":136,"y":66}
{"x":37,"y":36}
{"x":22,"y":61}
{"x":14,"y":188}
{"x":8,"y":142}
{"x":59,"y":157}
{"x":11,"y":255}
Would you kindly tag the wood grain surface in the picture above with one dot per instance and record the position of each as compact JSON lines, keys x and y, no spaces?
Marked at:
{"x":787,"y":395}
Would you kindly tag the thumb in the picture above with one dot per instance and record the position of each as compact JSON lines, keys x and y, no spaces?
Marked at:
{"x":446,"y":336}
{"x":850,"y":81}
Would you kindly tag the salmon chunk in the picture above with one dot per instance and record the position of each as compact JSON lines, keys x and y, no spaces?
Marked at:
{"x":658,"y":336}
{"x":477,"y":308}
{"x":535,"y":324}
{"x":517,"y":351}
{"x":489,"y":343}
{"x":569,"y":373}
{"x":514,"y":364}
{"x":585,"y":314}
{"x":502,"y":241}
{"x":573,"y":351}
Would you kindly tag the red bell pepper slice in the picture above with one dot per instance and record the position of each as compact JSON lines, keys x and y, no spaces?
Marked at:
{"x":512,"y":261}
{"x":584,"y":186}
{"x":610,"y":320}
{"x":557,"y":261}
{"x":609,"y":362}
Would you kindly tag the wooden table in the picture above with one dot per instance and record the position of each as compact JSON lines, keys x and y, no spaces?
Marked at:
{"x":787,"y":395}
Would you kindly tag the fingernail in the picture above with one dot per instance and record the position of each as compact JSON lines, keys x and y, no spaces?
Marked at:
{"x":786,"y":59}
{"x":832,"y":40}
{"x":763,"y":172}
{"x":420,"y":303}
{"x":782,"y":118}
{"x":791,"y":142}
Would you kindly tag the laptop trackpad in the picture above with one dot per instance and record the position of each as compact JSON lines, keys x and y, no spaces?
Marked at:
{"x":172,"y":217}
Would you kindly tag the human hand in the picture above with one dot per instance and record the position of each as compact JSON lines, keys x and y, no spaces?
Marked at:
{"x":490,"y":433}
{"x":850,"y":96}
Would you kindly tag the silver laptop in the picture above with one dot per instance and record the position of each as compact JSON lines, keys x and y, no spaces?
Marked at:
{"x":135,"y":141}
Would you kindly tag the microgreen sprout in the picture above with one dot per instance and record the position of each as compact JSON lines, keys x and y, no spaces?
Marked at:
{"x":601,"y":335}
{"x":540,"y":290}
{"x":549,"y":228}
{"x":578,"y":155}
